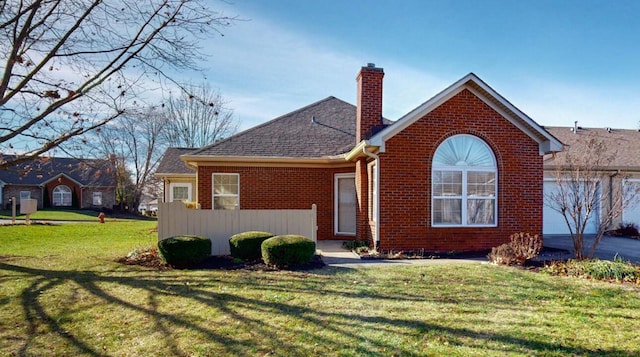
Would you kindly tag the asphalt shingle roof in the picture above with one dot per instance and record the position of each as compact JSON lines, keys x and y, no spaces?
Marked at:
{"x":87,"y":172}
{"x":621,"y":144}
{"x":171,"y":163}
{"x":325,"y":128}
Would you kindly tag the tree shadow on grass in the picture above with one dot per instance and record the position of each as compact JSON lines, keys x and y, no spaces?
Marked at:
{"x":306,"y":330}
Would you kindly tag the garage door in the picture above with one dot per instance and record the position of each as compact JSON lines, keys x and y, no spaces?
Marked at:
{"x":553,"y":221}
{"x":631,"y":213}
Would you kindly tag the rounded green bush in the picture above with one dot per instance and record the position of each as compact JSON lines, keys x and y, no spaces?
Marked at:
{"x":288,"y":250}
{"x":246,"y":245}
{"x":184,"y":251}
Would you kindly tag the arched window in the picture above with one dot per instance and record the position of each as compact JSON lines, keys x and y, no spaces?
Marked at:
{"x":464,"y":183}
{"x":62,"y":196}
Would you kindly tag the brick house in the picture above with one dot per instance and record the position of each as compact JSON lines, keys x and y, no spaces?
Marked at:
{"x":60,"y":182}
{"x":462,"y":171}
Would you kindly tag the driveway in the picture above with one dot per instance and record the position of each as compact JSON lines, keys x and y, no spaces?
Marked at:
{"x":609,"y":247}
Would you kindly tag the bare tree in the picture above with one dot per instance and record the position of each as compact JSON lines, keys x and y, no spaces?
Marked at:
{"x":198,"y":117}
{"x":68,"y":67}
{"x":136,"y":141}
{"x":586,"y":191}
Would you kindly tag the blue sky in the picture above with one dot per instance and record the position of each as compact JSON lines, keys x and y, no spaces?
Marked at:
{"x":558,"y":61}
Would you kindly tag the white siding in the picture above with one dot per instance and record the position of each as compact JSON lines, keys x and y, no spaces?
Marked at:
{"x":218,"y":225}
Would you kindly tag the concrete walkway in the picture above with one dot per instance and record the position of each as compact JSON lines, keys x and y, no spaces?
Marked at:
{"x":334,"y":255}
{"x":628,"y":249}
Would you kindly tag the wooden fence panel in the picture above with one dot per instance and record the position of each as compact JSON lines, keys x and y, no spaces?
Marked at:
{"x":175,"y":219}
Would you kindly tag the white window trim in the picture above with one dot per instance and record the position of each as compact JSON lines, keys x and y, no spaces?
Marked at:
{"x":93,"y":199}
{"x":336,"y":196}
{"x":25,"y":198}
{"x":465,"y":197}
{"x":180,"y":184}
{"x":61,"y":194}
{"x":213,"y":194}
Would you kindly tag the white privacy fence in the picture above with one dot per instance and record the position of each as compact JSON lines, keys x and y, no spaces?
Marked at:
{"x":218,"y":225}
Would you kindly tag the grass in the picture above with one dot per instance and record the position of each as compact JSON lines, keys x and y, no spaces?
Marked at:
{"x":61,"y":293}
{"x":60,"y":215}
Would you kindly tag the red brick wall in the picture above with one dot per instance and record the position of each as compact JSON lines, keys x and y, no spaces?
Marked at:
{"x":62,"y":180}
{"x":369,"y":101}
{"x":363,"y":230}
{"x":405,"y":179}
{"x":280,"y":188}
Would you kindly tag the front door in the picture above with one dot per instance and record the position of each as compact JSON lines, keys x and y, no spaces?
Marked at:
{"x":345,"y":204}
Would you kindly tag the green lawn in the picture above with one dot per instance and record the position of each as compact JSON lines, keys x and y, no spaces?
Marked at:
{"x":62,"y":294}
{"x":61,"y":215}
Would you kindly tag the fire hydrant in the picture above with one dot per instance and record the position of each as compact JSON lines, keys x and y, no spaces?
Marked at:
{"x":101,"y":217}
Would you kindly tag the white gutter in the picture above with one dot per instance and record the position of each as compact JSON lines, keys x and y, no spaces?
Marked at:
{"x":376,"y":218}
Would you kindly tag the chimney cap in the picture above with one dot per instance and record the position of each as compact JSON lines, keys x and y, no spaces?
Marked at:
{"x":371,"y":67}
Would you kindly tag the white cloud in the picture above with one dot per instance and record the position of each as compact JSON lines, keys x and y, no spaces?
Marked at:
{"x":265,"y":70}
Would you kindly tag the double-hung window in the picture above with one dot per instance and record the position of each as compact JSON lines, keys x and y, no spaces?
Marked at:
{"x":464,"y":183}
{"x":97,"y":198}
{"x":226,"y":191}
{"x":179,"y":192}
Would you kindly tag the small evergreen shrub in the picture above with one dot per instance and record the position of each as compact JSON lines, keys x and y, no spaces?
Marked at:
{"x":247,"y":245}
{"x":184,"y":251}
{"x":522,"y":247}
{"x":288,"y":250}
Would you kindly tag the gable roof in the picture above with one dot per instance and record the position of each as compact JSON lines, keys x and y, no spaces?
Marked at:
{"x":622,"y":145}
{"x":320,"y":130}
{"x":170,"y":164}
{"x":85,"y":172}
{"x":547,"y":142}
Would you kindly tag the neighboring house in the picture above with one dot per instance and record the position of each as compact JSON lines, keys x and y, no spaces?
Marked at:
{"x":621,"y":144}
{"x":462,"y":171}
{"x":178,"y":180}
{"x":60,"y":182}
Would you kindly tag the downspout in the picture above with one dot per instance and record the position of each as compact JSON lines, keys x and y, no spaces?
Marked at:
{"x":376,"y":218}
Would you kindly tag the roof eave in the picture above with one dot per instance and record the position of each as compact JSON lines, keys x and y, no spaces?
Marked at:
{"x":546,"y":141}
{"x":44,"y":182}
{"x":358,"y":150}
{"x":199,"y":160}
{"x":173,"y":174}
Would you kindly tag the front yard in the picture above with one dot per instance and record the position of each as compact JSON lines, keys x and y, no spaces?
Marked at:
{"x":62,"y":293}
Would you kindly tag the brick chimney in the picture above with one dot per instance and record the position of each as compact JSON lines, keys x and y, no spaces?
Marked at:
{"x":369,"y":111}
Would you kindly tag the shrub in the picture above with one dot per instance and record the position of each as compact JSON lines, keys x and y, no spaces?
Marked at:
{"x":288,"y":250}
{"x":354,"y":244}
{"x":618,"y":269}
{"x":183,"y":251}
{"x":522,"y":247}
{"x":625,"y":230}
{"x":246,"y":245}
